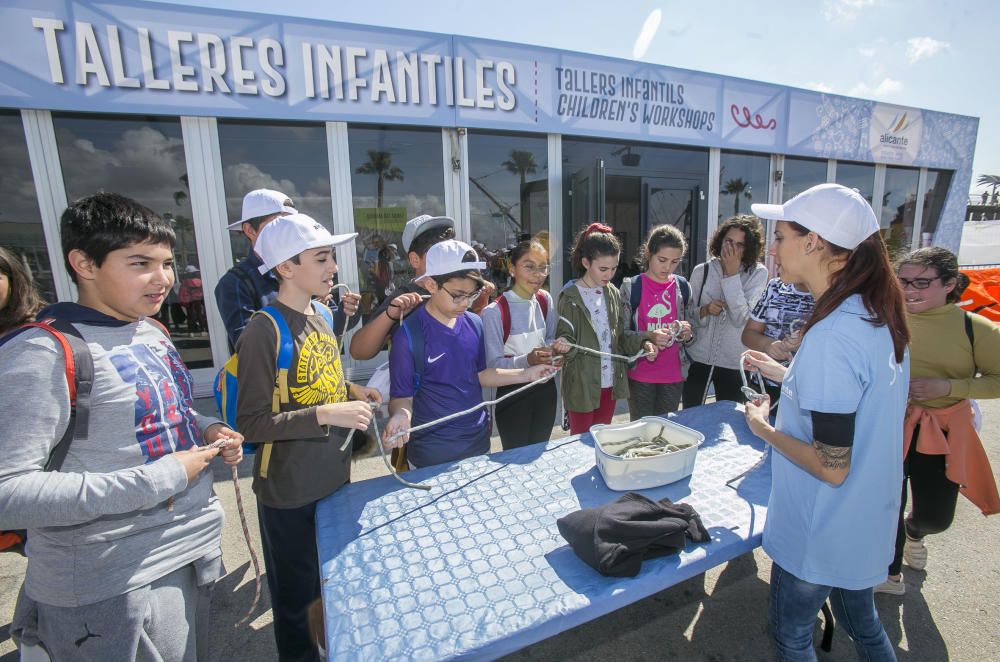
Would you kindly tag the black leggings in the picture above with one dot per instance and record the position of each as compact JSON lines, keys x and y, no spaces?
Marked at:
{"x":934,"y":499}
{"x":526,"y":418}
{"x":726,"y":380}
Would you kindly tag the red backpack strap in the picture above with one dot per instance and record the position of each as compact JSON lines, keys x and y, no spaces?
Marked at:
{"x":79,"y":367}
{"x":67,"y":351}
{"x":504,"y":307}
{"x":543,"y":303}
{"x":159,"y":325}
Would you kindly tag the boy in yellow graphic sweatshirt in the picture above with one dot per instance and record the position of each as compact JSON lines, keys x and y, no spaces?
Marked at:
{"x":301,"y":418}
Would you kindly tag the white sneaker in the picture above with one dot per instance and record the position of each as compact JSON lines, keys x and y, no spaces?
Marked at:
{"x":891,"y":587}
{"x":915,"y":553}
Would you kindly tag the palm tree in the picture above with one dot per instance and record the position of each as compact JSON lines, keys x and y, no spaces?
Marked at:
{"x":521,"y":162}
{"x":735,"y":187}
{"x":989,"y":180}
{"x":380,"y":164}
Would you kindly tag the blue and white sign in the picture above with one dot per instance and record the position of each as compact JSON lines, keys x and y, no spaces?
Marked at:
{"x":100,"y":56}
{"x":116,"y":57}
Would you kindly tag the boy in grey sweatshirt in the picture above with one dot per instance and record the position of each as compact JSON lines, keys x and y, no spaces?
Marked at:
{"x":124,"y":538}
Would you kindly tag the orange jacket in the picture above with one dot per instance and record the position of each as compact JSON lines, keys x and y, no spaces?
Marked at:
{"x":983,"y":293}
{"x":949,"y":431}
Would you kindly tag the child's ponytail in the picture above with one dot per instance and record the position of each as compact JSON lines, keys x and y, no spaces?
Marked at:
{"x":596,"y":240}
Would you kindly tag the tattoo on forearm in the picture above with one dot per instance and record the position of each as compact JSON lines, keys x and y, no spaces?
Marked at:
{"x":833,"y":457}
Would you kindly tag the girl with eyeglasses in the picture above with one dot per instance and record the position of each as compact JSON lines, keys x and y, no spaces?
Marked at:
{"x":518,"y":328}
{"x":655,"y":388}
{"x":591,"y":315}
{"x":954,"y":357}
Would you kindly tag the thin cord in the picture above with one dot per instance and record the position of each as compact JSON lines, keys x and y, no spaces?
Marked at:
{"x":485,"y":403}
{"x":253,"y":553}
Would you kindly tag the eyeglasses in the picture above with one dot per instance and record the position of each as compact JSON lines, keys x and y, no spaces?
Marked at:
{"x":917,"y":283}
{"x":541,"y":270}
{"x":459,"y":299}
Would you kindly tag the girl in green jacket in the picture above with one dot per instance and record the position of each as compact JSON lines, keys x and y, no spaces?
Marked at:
{"x":591,"y":315}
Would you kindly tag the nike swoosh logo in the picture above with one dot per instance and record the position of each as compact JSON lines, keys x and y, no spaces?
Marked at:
{"x":432,"y":360}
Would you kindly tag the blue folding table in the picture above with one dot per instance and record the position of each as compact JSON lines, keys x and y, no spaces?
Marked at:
{"x":476,"y":568}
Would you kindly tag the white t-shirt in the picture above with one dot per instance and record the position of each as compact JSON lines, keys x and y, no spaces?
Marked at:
{"x":596,"y":304}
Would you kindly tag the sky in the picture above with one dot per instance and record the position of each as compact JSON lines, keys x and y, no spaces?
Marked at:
{"x":940,"y":55}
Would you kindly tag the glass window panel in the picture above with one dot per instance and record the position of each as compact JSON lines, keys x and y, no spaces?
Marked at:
{"x":142,"y":158}
{"x":938,"y":183}
{"x":743,"y":180}
{"x":286,"y":157}
{"x":633,"y":187}
{"x":860,"y":176}
{"x":396,"y":174}
{"x":508,"y":195}
{"x":801,"y":174}
{"x":21,"y":221}
{"x":899,"y":204}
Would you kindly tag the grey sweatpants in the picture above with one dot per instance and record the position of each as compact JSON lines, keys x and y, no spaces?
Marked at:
{"x":166,"y":621}
{"x":646,"y":399}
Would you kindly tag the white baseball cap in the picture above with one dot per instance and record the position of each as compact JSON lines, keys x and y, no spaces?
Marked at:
{"x":285,"y":237}
{"x":837,"y":213}
{"x":262,"y":202}
{"x":446,"y":257}
{"x":423,"y":223}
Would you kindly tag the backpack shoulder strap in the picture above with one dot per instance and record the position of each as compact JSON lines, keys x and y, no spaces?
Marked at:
{"x":685,"y":289}
{"x":971,"y":335}
{"x":415,"y":341}
{"x":325,"y":313}
{"x":247,"y":280}
{"x":635,"y":293}
{"x":284,"y":346}
{"x":159,"y":325}
{"x":79,"y":369}
{"x":543,"y":303}
{"x":504,"y":307}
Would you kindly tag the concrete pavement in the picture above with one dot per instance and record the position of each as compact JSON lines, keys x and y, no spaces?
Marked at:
{"x":950,"y":612}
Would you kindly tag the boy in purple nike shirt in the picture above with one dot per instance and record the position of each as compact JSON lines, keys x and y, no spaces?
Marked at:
{"x":454,"y":369}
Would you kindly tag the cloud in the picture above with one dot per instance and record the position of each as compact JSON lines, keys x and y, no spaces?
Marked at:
{"x":819,"y":87}
{"x":886,"y":88}
{"x":143,"y":163}
{"x":845,"y":10}
{"x":918,"y":48}
{"x":867,"y":51}
{"x":647,"y":34}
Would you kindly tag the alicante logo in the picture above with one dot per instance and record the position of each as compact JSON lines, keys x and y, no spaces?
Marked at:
{"x":896,"y":127}
{"x":894,"y":134}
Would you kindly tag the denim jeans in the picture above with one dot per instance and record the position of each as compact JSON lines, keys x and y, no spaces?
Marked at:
{"x":795,"y":604}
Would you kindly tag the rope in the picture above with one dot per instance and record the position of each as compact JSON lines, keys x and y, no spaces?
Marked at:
{"x":253,"y":553}
{"x":614,"y":357}
{"x":459,"y":414}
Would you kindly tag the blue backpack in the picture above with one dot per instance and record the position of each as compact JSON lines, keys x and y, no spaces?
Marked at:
{"x":415,"y":341}
{"x":226,"y":384}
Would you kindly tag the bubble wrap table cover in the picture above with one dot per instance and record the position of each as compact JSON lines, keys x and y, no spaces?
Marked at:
{"x":476,"y":568}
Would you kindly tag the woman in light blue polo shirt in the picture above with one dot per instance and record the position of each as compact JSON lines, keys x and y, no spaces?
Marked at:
{"x":839,"y":429}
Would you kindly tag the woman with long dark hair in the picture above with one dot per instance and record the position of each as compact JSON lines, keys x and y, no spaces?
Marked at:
{"x":725,"y":289}
{"x":955,"y":356}
{"x":839,"y":430}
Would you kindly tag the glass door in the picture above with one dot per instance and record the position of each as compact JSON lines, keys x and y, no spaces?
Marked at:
{"x":668,"y":201}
